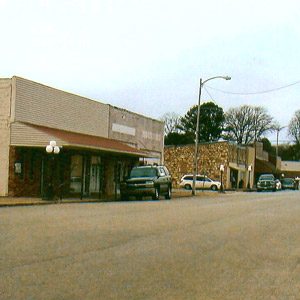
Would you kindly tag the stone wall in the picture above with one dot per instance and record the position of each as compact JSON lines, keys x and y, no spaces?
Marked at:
{"x":180,"y":160}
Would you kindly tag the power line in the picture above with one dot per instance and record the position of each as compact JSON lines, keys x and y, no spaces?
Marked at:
{"x":209,"y":94}
{"x":255,"y":93}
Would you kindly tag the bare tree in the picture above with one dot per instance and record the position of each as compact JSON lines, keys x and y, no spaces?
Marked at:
{"x":294,"y":127}
{"x":172,"y":121}
{"x":247,"y":124}
{"x":262,"y":122}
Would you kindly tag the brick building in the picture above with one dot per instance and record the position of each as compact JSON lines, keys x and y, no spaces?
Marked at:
{"x":98,"y":142}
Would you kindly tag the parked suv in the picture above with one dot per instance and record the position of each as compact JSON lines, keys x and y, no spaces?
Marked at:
{"x":151,"y":181}
{"x":202,"y":182}
{"x":266,"y":182}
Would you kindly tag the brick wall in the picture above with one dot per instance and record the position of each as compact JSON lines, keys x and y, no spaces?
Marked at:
{"x":28,"y":182}
{"x":180,"y":160}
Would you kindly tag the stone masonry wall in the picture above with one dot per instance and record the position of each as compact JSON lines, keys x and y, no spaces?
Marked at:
{"x":180,"y":160}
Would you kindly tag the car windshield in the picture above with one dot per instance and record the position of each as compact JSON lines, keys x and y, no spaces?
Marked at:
{"x":143,"y":172}
{"x":266,"y":177}
{"x":288,"y":180}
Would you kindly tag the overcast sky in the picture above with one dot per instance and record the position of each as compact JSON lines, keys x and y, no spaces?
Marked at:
{"x":148,"y":56}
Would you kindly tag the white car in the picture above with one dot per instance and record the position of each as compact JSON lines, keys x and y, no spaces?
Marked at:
{"x":202,"y":182}
{"x":278,"y":184}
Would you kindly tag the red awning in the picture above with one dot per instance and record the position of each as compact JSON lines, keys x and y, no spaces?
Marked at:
{"x":34,"y":135}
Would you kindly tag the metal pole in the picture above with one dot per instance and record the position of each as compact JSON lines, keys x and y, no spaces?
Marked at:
{"x":196,"y":142}
{"x":221,"y":188}
{"x":197,"y":130}
{"x":248,"y":186}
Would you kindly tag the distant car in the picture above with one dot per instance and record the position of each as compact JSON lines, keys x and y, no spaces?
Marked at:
{"x":288,"y":183}
{"x":266,"y":182}
{"x":278,"y":184}
{"x":202,"y":182}
{"x":147,"y":181}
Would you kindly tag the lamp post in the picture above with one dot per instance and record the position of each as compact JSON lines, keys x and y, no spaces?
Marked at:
{"x":197,"y":129}
{"x":249,"y":171}
{"x":53,"y":149}
{"x":222,"y":168}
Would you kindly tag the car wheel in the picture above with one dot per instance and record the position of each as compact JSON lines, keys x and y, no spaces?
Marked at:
{"x":156,"y":194}
{"x":188,"y":187}
{"x":168,"y":195}
{"x":213,"y":187}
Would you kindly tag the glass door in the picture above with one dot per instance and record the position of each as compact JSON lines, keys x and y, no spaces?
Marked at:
{"x":95,"y":175}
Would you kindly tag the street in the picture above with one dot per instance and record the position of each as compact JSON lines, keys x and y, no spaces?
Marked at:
{"x":213,"y":246}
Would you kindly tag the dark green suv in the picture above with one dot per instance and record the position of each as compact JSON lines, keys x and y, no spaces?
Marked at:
{"x":151,"y":181}
{"x":266,"y":182}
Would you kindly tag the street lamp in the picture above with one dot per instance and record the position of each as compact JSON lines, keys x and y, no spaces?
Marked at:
{"x":249,"y":171}
{"x":52,"y":148}
{"x":222,"y":168}
{"x":278,"y":129}
{"x":197,"y":129}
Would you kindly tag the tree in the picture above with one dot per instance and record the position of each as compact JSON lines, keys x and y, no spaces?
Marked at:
{"x":176,"y":138}
{"x":171,"y":121}
{"x":267,"y":146}
{"x":289,"y":152}
{"x":294,"y":127}
{"x":247,"y":124}
{"x":210,"y":122}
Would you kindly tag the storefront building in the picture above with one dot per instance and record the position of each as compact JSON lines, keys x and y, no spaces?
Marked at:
{"x":98,"y":143}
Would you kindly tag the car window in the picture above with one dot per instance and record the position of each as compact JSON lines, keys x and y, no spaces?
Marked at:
{"x":188,"y":178}
{"x":161,"y":171}
{"x":288,"y":180}
{"x":208,"y":179}
{"x":166,"y":171}
{"x":143,"y":172}
{"x":266,"y":177}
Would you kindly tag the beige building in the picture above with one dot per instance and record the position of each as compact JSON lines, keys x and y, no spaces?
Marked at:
{"x":98,"y":143}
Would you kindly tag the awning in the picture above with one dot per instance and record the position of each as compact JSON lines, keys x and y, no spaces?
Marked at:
{"x":24,"y":134}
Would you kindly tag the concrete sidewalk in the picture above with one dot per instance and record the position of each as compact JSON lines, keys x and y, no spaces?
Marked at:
{"x":18,"y":201}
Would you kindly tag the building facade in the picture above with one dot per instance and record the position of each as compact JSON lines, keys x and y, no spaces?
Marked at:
{"x":235,"y":159}
{"x":98,"y":142}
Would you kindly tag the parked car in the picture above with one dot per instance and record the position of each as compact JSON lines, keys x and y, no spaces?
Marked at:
{"x":151,"y":181}
{"x":202,"y":182}
{"x":288,"y":183}
{"x":266,"y":182}
{"x":278,"y":184}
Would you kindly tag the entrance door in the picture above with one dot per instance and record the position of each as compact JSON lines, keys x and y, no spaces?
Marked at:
{"x":95,"y":175}
{"x":234,"y":178}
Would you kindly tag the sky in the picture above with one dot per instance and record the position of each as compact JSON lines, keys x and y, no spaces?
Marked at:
{"x":148,"y":56}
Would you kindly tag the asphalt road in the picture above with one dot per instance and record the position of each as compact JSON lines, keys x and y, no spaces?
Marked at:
{"x":231,"y":246}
